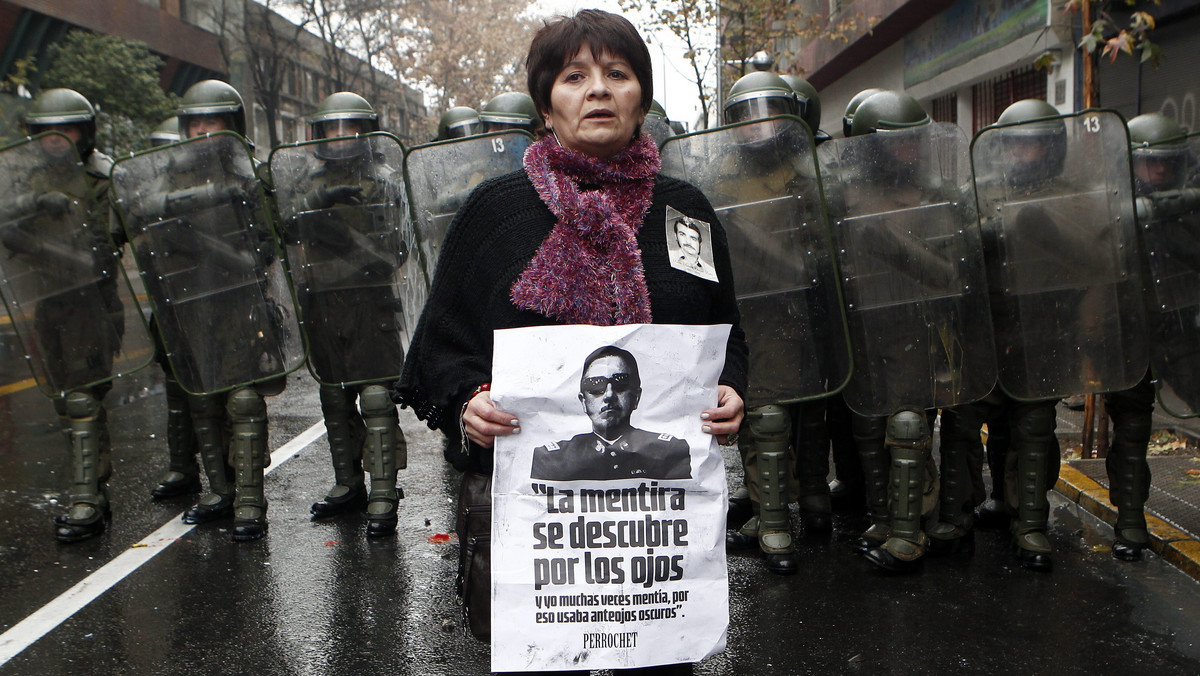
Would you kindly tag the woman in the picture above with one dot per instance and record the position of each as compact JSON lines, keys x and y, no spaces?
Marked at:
{"x":577,"y":237}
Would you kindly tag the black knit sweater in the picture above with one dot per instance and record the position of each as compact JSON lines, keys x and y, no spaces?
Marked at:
{"x":493,"y":238}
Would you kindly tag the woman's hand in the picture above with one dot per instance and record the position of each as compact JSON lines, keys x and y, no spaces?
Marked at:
{"x":726,"y":418}
{"x":484,"y":422}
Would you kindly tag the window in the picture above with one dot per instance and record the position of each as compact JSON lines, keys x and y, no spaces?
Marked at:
{"x":945,"y":108}
{"x":991,"y":97}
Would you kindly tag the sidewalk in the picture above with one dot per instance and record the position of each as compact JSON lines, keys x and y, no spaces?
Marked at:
{"x":1173,"y":510}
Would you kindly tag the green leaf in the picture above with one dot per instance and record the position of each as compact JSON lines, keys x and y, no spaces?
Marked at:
{"x":1151,"y":53}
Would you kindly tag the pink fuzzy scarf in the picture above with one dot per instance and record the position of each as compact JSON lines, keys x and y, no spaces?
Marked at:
{"x":589,"y":270}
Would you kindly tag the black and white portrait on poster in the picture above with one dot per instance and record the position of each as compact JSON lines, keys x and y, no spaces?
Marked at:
{"x":689,"y":244}
{"x":608,"y":529}
{"x":610,"y":388}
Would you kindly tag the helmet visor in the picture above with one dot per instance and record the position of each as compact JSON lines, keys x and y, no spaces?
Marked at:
{"x":758,"y":108}
{"x":1160,"y":168}
{"x":339,"y":127}
{"x":505,"y":125}
{"x":464,"y":129}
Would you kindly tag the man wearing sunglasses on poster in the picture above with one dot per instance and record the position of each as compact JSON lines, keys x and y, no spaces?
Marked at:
{"x":610,"y":390}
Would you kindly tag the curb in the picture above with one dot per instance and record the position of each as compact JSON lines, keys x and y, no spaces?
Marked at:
{"x":1172,"y":544}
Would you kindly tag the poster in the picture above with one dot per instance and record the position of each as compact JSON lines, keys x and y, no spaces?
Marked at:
{"x":608,"y":530}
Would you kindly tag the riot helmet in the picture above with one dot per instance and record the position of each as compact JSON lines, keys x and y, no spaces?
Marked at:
{"x":1160,"y":152}
{"x":342,"y":114}
{"x":885,"y":111}
{"x":212,"y":98}
{"x":339,"y":107}
{"x":58,"y":109}
{"x":165,"y":133}
{"x":759,"y":95}
{"x":808,"y":100}
{"x":459,"y":122}
{"x":657,"y":111}
{"x":894,"y":121}
{"x":1037,"y":146}
{"x":510,"y":110}
{"x":852,"y":107}
{"x":656,"y":124}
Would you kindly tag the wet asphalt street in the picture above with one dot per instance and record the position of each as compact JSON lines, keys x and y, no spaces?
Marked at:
{"x":318,"y":598}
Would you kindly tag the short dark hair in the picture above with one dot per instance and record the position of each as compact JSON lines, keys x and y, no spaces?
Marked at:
{"x":690,"y":225}
{"x":560,"y":40}
{"x":612,"y":351}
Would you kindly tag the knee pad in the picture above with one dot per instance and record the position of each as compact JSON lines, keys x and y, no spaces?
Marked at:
{"x":769,"y":421}
{"x":907,"y":428}
{"x":81,"y":405}
{"x":376,"y":402}
{"x":245,"y":404}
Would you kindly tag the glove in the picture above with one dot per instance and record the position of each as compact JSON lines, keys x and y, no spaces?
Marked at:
{"x":54,"y":203}
{"x":323,"y":198}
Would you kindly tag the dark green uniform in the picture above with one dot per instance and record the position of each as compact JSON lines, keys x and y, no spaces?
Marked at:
{"x":637,"y":454}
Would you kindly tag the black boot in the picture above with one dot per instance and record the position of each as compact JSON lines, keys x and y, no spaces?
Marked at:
{"x":217,"y":504}
{"x":811,"y":442}
{"x":869,"y":437}
{"x":345,"y":431}
{"x":962,"y":456}
{"x":183,"y":474}
{"x":1036,"y":451}
{"x":1128,"y":471}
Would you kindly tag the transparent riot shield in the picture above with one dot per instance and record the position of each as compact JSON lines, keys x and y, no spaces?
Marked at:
{"x":1167,"y":189}
{"x":762,"y":179}
{"x":199,"y":227}
{"x":71,"y":306}
{"x":911,"y":263}
{"x":1056,"y":211}
{"x":441,"y":175}
{"x":350,"y":240}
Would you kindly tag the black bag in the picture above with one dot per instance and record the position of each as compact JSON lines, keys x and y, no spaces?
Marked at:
{"x":474,"y":524}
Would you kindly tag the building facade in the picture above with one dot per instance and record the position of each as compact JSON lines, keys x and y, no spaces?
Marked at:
{"x":967,"y":60}
{"x":239,"y":41}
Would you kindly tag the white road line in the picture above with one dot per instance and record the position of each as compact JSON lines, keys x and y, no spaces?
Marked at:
{"x":23,"y":634}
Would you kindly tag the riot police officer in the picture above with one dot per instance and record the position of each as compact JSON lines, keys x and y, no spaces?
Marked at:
{"x":852,"y":107}
{"x":340,"y":212}
{"x":199,"y":227}
{"x":208,"y":107}
{"x":459,"y":122}
{"x":511,"y":110}
{"x":1066,"y":303}
{"x":783,"y":445}
{"x":1031,"y":458}
{"x":913,"y":271}
{"x":165,"y":133}
{"x":79,"y":330}
{"x":1160,"y":163}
